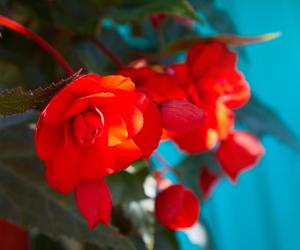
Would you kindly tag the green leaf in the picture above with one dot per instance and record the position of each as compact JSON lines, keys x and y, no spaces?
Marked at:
{"x":188,"y":170}
{"x":25,"y":201}
{"x":127,"y":187}
{"x":18,"y":100}
{"x":141,"y":215}
{"x":16,"y":141}
{"x":12,"y":120}
{"x":229,"y":39}
{"x":236,"y":40}
{"x":165,"y":239}
{"x":262,"y":120}
{"x":145,"y":8}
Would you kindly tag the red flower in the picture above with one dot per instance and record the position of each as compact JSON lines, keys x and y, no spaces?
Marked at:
{"x":238,"y":152}
{"x":210,"y":80}
{"x":177,"y":207}
{"x":207,"y":181}
{"x":214,"y":70}
{"x":94,"y":201}
{"x":94,"y":127}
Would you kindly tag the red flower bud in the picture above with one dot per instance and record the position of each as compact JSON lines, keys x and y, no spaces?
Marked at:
{"x":181,"y":116}
{"x":207,"y":181}
{"x":238,"y":152}
{"x":94,"y":201}
{"x":177,"y":207}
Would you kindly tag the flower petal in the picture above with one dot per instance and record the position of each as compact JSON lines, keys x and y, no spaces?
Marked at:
{"x":125,"y":154}
{"x":152,"y":126}
{"x":117,"y":132}
{"x":239,"y":152}
{"x":94,"y":201}
{"x":117,"y":82}
{"x":181,"y":116}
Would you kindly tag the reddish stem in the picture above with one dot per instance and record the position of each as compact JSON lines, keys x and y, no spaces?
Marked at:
{"x":38,"y":40}
{"x":107,"y":52}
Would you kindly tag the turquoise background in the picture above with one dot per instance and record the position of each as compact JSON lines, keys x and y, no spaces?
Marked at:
{"x":262,"y":211}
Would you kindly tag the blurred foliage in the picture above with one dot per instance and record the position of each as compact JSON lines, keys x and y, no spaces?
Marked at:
{"x":124,"y":28}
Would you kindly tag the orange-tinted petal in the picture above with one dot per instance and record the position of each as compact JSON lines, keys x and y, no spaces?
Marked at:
{"x":224,"y":120}
{"x":125,"y":154}
{"x":117,"y":132}
{"x":134,"y":120}
{"x":117,"y":82}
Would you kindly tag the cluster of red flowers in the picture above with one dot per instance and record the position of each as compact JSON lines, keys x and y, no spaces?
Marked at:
{"x":97,"y":126}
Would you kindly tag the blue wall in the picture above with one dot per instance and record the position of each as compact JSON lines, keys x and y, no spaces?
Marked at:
{"x":262,"y":211}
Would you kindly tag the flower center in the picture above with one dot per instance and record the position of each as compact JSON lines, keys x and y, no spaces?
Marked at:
{"x":87,"y":126}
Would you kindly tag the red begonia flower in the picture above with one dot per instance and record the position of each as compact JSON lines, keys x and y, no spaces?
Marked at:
{"x":213,"y":67}
{"x":94,"y":201}
{"x":239,"y":152}
{"x":177,"y":207}
{"x":207,"y":181}
{"x":93,"y":127}
{"x":156,"y":82}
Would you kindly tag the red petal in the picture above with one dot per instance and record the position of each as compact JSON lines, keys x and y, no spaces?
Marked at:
{"x":96,"y":100}
{"x":181,"y":116}
{"x":97,"y":160}
{"x":13,"y":237}
{"x":223,"y":120}
{"x":204,"y":56}
{"x":117,"y":82}
{"x":94,"y":201}
{"x":62,"y":168}
{"x":117,"y":132}
{"x":207,"y":181}
{"x":148,"y":138}
{"x":47,"y":138}
{"x":238,"y":152}
{"x":197,"y":141}
{"x":61,"y":102}
{"x":125,"y":154}
{"x":134,"y":120}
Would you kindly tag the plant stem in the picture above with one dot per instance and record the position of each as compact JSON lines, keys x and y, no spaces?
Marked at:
{"x":107,"y":52}
{"x":39,"y":41}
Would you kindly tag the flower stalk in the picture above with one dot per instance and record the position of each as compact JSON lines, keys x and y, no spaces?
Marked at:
{"x":19,"y":28}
